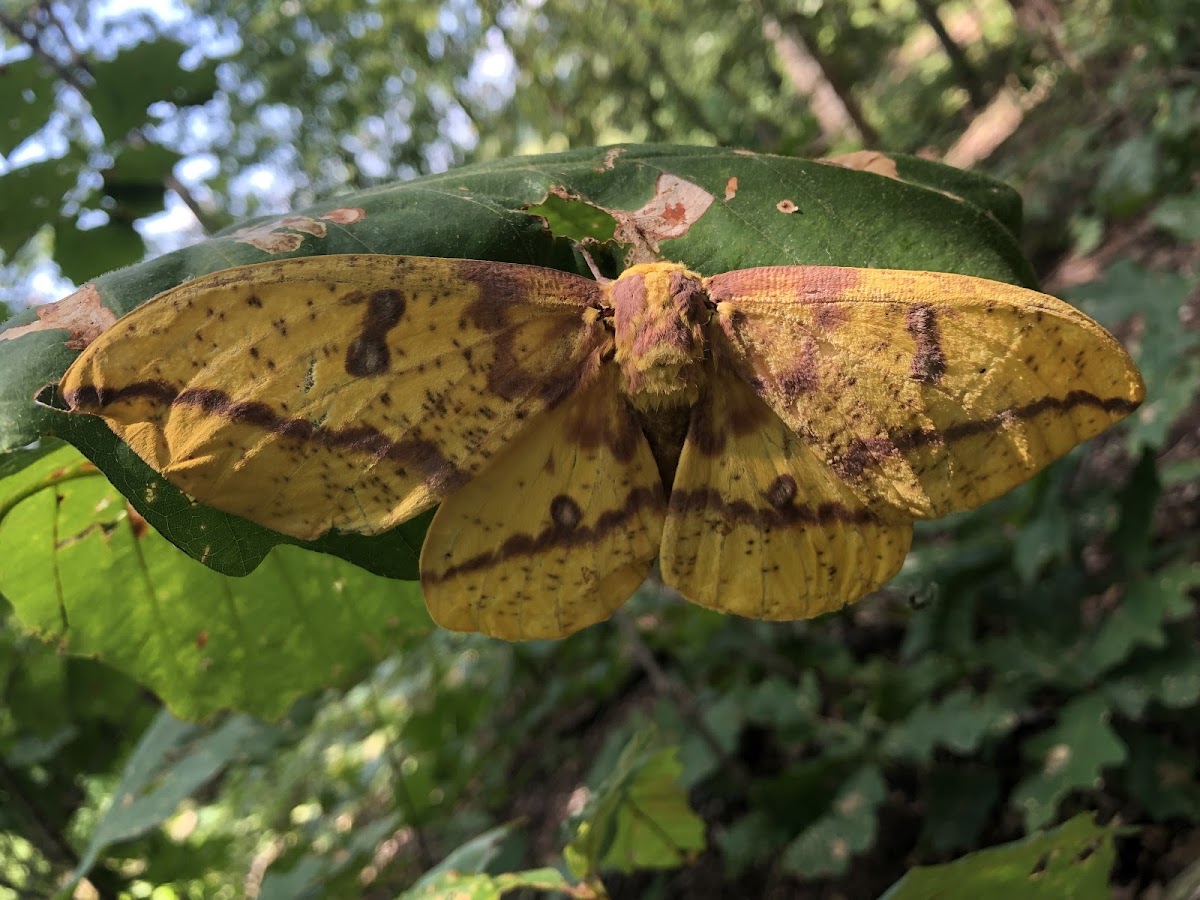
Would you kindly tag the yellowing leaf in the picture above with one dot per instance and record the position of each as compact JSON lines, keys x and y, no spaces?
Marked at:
{"x":795,"y":419}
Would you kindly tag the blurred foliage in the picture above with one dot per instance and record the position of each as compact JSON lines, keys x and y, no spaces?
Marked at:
{"x":1035,"y":659}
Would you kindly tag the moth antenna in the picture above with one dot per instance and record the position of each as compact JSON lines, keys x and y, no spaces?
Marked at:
{"x":591,"y":264}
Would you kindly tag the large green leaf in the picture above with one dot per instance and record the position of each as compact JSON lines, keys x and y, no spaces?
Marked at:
{"x":456,"y":886}
{"x":1165,"y":353}
{"x":26,"y":98}
{"x":171,"y":761}
{"x":136,"y":181}
{"x":832,"y":215}
{"x":828,"y":845}
{"x":1072,"y":860}
{"x":1071,"y":755}
{"x":639,"y":817}
{"x":82,"y":254}
{"x":31,"y":196}
{"x":127,"y":84}
{"x":959,"y":721}
{"x":84,"y":571}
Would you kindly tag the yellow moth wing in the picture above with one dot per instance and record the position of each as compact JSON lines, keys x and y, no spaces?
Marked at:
{"x":557,"y":532}
{"x":341,"y":391}
{"x":758,"y":525}
{"x":927,"y":392}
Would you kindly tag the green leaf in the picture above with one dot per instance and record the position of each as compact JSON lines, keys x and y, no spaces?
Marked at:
{"x":1130,"y":176}
{"x":1166,"y":353}
{"x":456,"y":886}
{"x":1162,"y":776}
{"x":127,"y":84}
{"x":958,"y":803}
{"x":960,"y":722}
{"x":1072,"y":755}
{"x":1180,"y":216}
{"x":90,"y":575}
{"x":1045,"y":539}
{"x":1170,"y":676}
{"x":748,"y":841}
{"x":1072,"y":860}
{"x":136,"y":181}
{"x":994,"y":197}
{"x":166,"y":766}
{"x":312,"y":875}
{"x":83,"y":254}
{"x":472,"y":857}
{"x":26,"y":98}
{"x":1135,"y":530}
{"x":827,"y":846}
{"x":843,"y":217}
{"x":639,"y":817}
{"x":31,"y":197}
{"x":1149,"y":603}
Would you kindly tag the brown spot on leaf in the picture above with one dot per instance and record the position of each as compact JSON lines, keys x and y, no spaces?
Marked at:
{"x":731,"y":188}
{"x":80,"y":313}
{"x":346,"y":215}
{"x":787,"y":206}
{"x":271,"y":237}
{"x":610,"y":159}
{"x":864,"y":161}
{"x":201,"y":639}
{"x":676,"y":206}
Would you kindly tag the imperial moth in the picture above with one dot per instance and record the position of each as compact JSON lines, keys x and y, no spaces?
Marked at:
{"x":768,"y":434}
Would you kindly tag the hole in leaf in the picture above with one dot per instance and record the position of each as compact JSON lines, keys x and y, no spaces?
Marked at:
{"x":574,"y":219}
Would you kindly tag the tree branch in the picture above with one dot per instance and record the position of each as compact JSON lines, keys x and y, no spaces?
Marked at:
{"x":15,"y":28}
{"x":684,"y":699}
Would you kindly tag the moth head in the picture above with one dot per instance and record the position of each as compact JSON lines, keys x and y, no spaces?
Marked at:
{"x":658,"y":315}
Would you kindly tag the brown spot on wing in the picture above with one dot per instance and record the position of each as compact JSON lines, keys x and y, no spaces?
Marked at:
{"x":501,"y":287}
{"x":565,"y":512}
{"x":708,"y":432}
{"x":782,"y":492}
{"x":368,"y":353}
{"x":804,"y":377}
{"x":828,"y":316}
{"x":410,"y":452}
{"x":929,"y":360}
{"x":589,"y":427}
{"x":860,"y":451}
{"x":765,"y":518}
{"x":555,"y":535}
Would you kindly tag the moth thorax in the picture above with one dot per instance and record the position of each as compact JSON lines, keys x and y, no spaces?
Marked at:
{"x":658,"y":309}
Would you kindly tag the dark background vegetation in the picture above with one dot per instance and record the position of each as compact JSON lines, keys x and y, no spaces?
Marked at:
{"x":1035,"y":659}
